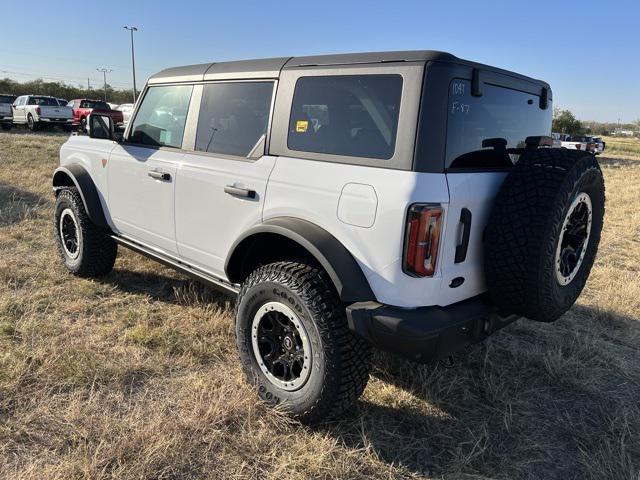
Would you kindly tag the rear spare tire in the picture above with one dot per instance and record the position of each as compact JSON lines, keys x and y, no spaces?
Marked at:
{"x":543,"y":233}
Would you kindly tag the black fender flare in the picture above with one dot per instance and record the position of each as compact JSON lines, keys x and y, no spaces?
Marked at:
{"x":343,"y":270}
{"x":76,"y":175}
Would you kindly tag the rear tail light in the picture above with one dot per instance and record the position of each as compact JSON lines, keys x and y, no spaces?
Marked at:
{"x":38,"y":111}
{"x":424,"y":226}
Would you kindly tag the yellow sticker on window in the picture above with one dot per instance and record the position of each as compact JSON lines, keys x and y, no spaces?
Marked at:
{"x":301,"y":126}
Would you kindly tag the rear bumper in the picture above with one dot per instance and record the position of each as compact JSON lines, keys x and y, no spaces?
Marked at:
{"x":429,"y":333}
{"x":62,"y":121}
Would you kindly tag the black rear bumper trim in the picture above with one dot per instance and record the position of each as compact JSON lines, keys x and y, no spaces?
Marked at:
{"x":428,"y":333}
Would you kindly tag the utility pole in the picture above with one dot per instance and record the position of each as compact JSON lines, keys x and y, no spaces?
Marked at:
{"x":104,"y":74}
{"x":88,"y":84}
{"x":133,"y":59}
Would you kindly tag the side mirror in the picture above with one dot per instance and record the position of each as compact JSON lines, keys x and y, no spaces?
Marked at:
{"x":101,"y":126}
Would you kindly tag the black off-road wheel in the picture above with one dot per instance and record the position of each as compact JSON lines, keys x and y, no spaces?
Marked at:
{"x":86,"y":249}
{"x":543,"y":233}
{"x":294,"y":343}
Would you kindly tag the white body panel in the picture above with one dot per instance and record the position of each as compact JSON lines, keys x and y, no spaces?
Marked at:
{"x":475,"y":192}
{"x":311,"y":190}
{"x":47,"y":112}
{"x":574,"y":146}
{"x":140,"y":206}
{"x":89,"y":153}
{"x":209,"y":220}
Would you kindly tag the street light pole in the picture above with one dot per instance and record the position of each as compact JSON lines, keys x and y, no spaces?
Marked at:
{"x":133,"y":60}
{"x":104,"y":74}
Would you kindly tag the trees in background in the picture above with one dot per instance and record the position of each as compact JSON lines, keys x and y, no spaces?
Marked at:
{"x":565,"y":122}
{"x":61,"y":90}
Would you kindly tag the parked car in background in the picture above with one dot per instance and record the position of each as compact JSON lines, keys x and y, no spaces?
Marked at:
{"x":126,"y":109}
{"x":83,"y":107}
{"x":557,"y":139}
{"x":600,"y":145}
{"x":6,"y":111}
{"x":578,"y":142}
{"x":36,"y":111}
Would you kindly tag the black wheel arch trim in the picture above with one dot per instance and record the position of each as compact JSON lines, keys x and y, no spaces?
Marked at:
{"x":345,"y":273}
{"x":86,"y":188}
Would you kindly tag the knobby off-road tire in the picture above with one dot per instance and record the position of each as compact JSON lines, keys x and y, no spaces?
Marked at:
{"x":86,"y":249}
{"x":302,"y":298}
{"x":534,"y":232}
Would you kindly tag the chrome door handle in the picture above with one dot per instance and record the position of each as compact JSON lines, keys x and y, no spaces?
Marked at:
{"x":240,"y":192}
{"x":165,"y":177}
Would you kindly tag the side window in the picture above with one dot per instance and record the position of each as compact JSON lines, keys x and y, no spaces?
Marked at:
{"x":233,"y":117}
{"x":161,"y":117}
{"x":354,"y":115}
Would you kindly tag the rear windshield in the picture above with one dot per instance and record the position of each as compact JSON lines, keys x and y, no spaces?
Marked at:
{"x":97,"y":104}
{"x":7,"y":98}
{"x":43,"y":101}
{"x":482,"y":130}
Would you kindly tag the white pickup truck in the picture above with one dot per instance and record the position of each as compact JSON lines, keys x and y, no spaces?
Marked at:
{"x":579,"y":142}
{"x":6,"y":112}
{"x":37,"y":110}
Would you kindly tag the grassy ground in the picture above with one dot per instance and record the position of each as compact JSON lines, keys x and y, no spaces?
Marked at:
{"x":622,"y":147}
{"x":135,"y":375}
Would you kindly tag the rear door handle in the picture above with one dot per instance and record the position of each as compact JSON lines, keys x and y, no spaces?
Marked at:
{"x":461,"y":250}
{"x":164,"y":176}
{"x":239,"y":192}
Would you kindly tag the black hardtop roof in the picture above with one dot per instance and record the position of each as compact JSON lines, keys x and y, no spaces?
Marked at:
{"x":271,"y":67}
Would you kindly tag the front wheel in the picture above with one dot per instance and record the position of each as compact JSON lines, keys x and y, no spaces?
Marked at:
{"x":87,"y":250}
{"x":294,"y":343}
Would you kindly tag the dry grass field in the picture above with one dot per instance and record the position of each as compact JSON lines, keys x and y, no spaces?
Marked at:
{"x":135,"y":375}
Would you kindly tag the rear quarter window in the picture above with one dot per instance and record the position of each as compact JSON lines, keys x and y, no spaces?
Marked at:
{"x":350,"y":115}
{"x":481,"y":131}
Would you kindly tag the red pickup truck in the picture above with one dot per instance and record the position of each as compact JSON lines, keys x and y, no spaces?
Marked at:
{"x":83,"y":107}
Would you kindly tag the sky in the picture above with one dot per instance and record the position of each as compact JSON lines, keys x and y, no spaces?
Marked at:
{"x":588,"y":51}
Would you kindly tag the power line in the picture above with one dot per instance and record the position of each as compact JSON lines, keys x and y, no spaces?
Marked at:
{"x":54,"y":77}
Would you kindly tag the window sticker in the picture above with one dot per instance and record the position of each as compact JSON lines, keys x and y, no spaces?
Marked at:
{"x":302,"y":126}
{"x":165,"y":137}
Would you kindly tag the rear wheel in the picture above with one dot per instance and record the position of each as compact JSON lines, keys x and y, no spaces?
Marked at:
{"x":31,"y":123}
{"x":86,"y":249}
{"x":543,"y":234}
{"x":294,"y":342}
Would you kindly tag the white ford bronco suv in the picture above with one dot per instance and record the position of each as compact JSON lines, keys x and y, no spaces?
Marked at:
{"x":402,"y":200}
